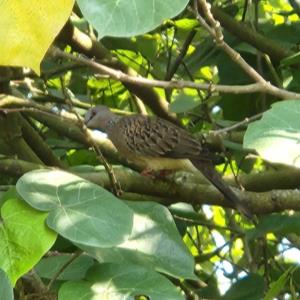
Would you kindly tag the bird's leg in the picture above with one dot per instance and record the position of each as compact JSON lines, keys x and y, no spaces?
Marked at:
{"x":159,"y":174}
{"x":148,"y":172}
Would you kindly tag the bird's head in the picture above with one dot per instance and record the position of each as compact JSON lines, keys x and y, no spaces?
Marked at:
{"x":99,"y":117}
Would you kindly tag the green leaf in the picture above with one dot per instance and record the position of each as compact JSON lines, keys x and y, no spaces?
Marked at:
{"x":276,"y":223}
{"x":186,"y":23}
{"x":128,"y":17}
{"x":26,"y":31}
{"x":81,"y":157}
{"x":116,"y":282}
{"x":183,"y":103}
{"x":250,"y":287}
{"x":235,"y":107}
{"x":276,"y":137}
{"x":146,"y":44}
{"x":6,"y":290}
{"x":79,"y":290}
{"x":154,"y":243}
{"x":24,"y":237}
{"x":76,"y":270}
{"x":80,"y":211}
{"x":277,"y":286}
{"x":245,"y":47}
{"x":291,"y":60}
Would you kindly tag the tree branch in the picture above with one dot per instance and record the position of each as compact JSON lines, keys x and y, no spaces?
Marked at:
{"x":92,"y":48}
{"x":169,"y":192}
{"x":246,"y":34}
{"x":263,"y":87}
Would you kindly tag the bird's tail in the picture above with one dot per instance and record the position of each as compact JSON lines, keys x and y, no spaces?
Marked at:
{"x":208,"y":170}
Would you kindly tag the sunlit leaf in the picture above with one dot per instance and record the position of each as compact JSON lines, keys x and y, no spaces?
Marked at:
{"x":276,"y":137}
{"x":115,"y":17}
{"x":24,"y":237}
{"x":154,"y":243}
{"x":28,"y":28}
{"x":116,"y":282}
{"x":183,"y":103}
{"x":79,"y":210}
{"x":186,"y":23}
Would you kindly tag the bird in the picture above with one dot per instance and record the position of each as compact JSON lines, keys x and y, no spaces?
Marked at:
{"x":157,"y":144}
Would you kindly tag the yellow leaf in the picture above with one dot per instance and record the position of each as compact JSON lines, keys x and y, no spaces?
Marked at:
{"x":27,"y":29}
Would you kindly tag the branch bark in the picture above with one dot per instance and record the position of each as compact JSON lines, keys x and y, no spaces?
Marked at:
{"x":11,"y":134}
{"x":168,"y":191}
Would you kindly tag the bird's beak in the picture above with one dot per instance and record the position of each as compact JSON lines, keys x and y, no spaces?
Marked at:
{"x":86,"y":121}
{"x":88,"y":117}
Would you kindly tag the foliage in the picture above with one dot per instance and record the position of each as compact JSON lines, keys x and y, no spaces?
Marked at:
{"x":276,"y":136}
{"x":147,"y":15}
{"x":67,"y":231}
{"x":6,"y":291}
{"x":27,"y":31}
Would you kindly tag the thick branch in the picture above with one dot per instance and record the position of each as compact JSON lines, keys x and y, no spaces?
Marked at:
{"x":92,"y":48}
{"x":287,"y":178}
{"x":171,"y":192}
{"x":17,"y":167}
{"x":11,"y":134}
{"x":38,"y":145}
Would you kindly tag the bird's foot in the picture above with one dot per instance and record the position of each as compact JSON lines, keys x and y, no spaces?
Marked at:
{"x":148,"y":172}
{"x":160,"y":174}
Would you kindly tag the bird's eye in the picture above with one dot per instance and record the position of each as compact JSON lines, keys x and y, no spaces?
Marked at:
{"x":92,"y":114}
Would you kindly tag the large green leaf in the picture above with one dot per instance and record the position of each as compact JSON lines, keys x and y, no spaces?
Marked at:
{"x":24,"y":237}
{"x":120,"y":282}
{"x":251,"y":287}
{"x":6,"y":290}
{"x":276,"y":137}
{"x":128,"y":17}
{"x":28,"y":29}
{"x":50,"y":266}
{"x":80,"y":211}
{"x":154,"y":243}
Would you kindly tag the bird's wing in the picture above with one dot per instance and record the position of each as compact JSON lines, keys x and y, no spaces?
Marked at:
{"x":158,"y":138}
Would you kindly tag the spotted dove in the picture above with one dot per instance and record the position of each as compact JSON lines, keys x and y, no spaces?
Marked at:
{"x":157,"y":144}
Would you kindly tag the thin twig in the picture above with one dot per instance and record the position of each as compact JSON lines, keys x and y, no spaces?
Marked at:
{"x":172,"y":70}
{"x":215,"y":31}
{"x":63,"y":267}
{"x":28,"y":109}
{"x":113,"y":179}
{"x":209,"y":225}
{"x":238,"y":124}
{"x":263,"y":87}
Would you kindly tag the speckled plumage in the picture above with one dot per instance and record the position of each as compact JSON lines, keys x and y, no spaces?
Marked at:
{"x":156,"y":137}
{"x":157,"y":144}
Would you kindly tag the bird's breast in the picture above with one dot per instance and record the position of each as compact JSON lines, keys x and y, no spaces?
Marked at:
{"x":162,"y":163}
